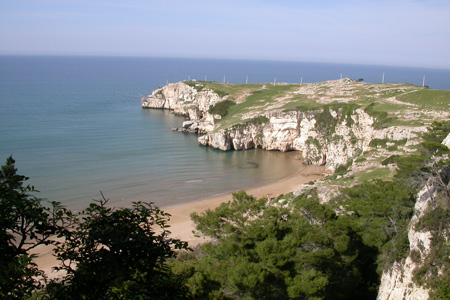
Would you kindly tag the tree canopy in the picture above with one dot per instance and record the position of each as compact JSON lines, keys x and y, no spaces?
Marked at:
{"x":106,"y":253}
{"x":269,"y":252}
{"x":25,"y":223}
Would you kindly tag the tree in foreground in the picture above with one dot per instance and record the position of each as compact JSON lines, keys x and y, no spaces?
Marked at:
{"x":118,"y":254}
{"x":24,"y":224}
{"x":105,"y":253}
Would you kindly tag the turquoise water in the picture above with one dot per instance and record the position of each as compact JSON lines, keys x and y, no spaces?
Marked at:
{"x":75,"y":126}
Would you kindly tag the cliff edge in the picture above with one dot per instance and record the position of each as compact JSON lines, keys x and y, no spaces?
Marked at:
{"x":356,"y":129}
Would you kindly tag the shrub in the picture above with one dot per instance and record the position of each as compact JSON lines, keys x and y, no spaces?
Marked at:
{"x":221,"y":108}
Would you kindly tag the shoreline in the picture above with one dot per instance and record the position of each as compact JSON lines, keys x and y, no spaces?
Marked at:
{"x":181,"y":225}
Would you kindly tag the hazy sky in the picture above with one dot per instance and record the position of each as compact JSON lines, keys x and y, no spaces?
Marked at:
{"x":398,"y":32}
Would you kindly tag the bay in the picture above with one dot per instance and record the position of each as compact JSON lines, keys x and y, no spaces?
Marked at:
{"x":75,"y":125}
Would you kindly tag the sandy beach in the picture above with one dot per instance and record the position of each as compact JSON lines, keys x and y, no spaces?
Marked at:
{"x":180,"y":223}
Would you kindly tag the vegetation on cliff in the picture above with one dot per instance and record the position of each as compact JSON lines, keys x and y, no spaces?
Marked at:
{"x":299,"y":248}
{"x":294,"y":247}
{"x":389,"y":104}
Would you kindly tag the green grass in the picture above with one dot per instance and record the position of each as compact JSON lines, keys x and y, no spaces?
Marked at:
{"x":370,"y":97}
{"x":222,"y":89}
{"x":394,"y":92}
{"x":259,"y":99}
{"x":380,"y":173}
{"x":433,"y":99}
{"x":301,"y":103}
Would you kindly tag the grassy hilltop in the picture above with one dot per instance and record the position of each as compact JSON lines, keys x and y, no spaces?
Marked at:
{"x":392,"y":103}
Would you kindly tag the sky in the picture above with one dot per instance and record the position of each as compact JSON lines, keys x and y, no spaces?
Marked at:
{"x":412,"y":33}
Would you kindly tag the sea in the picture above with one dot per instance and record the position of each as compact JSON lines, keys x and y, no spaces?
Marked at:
{"x":75,"y":125}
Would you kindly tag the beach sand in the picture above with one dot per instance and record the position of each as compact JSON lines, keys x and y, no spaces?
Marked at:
{"x":182,"y":227}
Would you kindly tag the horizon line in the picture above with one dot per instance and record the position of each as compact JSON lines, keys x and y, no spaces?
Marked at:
{"x":220,"y":58}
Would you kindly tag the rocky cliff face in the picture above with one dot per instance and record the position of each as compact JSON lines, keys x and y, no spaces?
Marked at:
{"x":187,"y":101}
{"x":326,"y":137}
{"x":397,"y":282}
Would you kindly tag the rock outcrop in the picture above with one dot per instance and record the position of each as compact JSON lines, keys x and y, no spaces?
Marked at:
{"x":185,"y":100}
{"x":327,"y":136}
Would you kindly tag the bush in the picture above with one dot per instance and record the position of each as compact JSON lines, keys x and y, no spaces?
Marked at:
{"x":221,"y":108}
{"x":257,"y":120}
{"x":118,"y":254}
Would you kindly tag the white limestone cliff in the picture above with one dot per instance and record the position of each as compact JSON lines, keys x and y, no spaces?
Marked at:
{"x":185,"y":100}
{"x":398,"y":282}
{"x":284,"y":131}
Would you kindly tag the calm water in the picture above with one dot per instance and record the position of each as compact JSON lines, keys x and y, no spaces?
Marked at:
{"x":75,"y":125}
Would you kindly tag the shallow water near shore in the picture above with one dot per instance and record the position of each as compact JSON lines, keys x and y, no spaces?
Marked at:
{"x":75,"y":126}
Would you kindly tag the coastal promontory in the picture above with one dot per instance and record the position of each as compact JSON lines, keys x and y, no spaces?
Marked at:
{"x":372,"y":138}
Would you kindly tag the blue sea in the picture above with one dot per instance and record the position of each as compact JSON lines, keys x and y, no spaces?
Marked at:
{"x":75,"y":126}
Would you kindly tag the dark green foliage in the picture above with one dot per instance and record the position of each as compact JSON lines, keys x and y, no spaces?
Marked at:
{"x":220,"y":93}
{"x":24,"y":224}
{"x":326,"y":123}
{"x":257,"y":120}
{"x":106,"y":253}
{"x":340,"y":170}
{"x":434,"y":137}
{"x":361,"y":159}
{"x":221,"y":108}
{"x":118,"y":254}
{"x":266,"y":252}
{"x":390,"y":160}
{"x":412,"y":169}
{"x":383,"y":210}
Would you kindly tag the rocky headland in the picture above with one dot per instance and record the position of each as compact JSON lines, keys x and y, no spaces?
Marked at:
{"x":352,"y":128}
{"x":330,"y":123}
